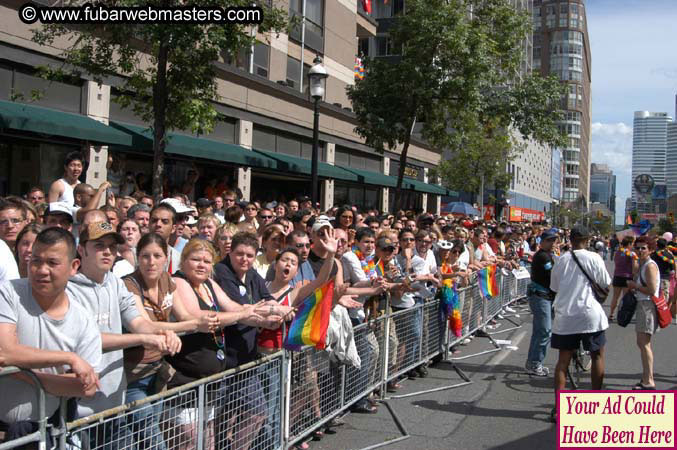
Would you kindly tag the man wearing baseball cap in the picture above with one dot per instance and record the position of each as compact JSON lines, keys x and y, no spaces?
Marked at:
{"x":540,"y":302}
{"x":109,"y":302}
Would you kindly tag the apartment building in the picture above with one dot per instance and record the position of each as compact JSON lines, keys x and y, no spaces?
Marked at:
{"x":262,"y":143}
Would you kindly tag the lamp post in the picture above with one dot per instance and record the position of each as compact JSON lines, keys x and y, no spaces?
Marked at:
{"x":316,"y":75}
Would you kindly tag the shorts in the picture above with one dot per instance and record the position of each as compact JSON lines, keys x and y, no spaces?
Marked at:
{"x":620,"y":282}
{"x":592,"y":342}
{"x":645,"y":317}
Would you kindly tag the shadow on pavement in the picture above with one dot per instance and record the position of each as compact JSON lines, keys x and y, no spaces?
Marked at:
{"x":542,"y":439}
{"x":469,"y":409}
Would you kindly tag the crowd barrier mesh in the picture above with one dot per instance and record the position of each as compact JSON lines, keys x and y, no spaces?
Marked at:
{"x":279,"y":400}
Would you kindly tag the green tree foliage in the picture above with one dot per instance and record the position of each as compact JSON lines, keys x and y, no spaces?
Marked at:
{"x":169,"y":71}
{"x":458,"y":75}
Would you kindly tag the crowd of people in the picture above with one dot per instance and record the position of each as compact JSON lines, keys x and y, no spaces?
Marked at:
{"x":114,"y":303}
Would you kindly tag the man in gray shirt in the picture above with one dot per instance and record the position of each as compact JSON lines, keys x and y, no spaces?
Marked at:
{"x":41,"y":328}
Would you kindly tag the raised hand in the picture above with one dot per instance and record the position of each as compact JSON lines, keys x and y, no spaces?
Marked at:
{"x":329,"y":240}
{"x":348,"y":301}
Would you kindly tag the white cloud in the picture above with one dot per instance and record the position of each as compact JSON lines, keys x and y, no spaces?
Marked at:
{"x":610,"y":129}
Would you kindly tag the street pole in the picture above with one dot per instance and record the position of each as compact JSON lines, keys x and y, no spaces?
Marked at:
{"x":313,"y":163}
{"x":481,"y":199}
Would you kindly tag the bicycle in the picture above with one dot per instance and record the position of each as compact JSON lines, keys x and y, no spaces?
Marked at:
{"x":580,"y":363}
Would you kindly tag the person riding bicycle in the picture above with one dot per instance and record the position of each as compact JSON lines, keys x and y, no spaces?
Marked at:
{"x":579,"y":317}
{"x":540,"y":303}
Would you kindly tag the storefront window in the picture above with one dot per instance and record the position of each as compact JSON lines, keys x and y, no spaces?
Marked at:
{"x":26,"y":163}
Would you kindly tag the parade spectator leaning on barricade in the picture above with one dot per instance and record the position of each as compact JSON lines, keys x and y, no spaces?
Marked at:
{"x":625,"y":265}
{"x":237,"y":277}
{"x":579,"y":317}
{"x":24,"y":247}
{"x":647,"y":283}
{"x":62,"y":189}
{"x":155,"y":295}
{"x":112,"y":306}
{"x":65,"y":356}
{"x":301,"y":242}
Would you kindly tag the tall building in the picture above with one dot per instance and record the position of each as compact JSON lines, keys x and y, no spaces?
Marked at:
{"x":262,"y":142}
{"x":561,"y":47}
{"x":603,"y":186}
{"x":649,"y":156}
{"x":671,"y":156}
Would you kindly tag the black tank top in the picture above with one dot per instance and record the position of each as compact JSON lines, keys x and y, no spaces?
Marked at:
{"x":197,"y":358}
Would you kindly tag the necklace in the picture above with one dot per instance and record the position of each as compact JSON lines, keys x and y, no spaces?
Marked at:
{"x":220,"y":354}
{"x":667,"y":259}
{"x":367,"y":263}
{"x":628,"y":253}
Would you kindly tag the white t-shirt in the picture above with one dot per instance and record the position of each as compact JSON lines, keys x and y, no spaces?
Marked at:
{"x":576,"y":309}
{"x":480,"y":250}
{"x":8,"y":268}
{"x":76,"y":332}
{"x":430,"y":262}
{"x":464,"y":259}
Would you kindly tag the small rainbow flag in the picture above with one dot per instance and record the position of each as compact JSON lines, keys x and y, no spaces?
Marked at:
{"x":380,"y":268}
{"x":487,"y":281}
{"x":309,"y":327}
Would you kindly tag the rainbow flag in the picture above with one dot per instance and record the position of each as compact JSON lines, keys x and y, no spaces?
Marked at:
{"x":487,"y":281}
{"x":380,"y":269}
{"x":310,"y":324}
{"x":451,"y":307}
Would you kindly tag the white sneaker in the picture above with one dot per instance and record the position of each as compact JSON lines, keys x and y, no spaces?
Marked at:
{"x":537,"y":370}
{"x":509,"y":310}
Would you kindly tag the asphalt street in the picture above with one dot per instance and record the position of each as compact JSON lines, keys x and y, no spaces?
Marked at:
{"x":503,"y":407}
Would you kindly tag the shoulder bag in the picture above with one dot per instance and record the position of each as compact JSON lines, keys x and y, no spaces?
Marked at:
{"x":662,"y":309}
{"x":626,"y":310}
{"x":600,"y":293}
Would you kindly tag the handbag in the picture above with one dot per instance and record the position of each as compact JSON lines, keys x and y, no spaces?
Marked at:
{"x":627,"y":309}
{"x":600,"y":293}
{"x":662,"y":309}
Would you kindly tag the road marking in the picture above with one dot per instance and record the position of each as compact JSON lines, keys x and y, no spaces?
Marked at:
{"x":499,"y":357}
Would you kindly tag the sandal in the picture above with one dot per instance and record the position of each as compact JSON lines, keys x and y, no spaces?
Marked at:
{"x":302,"y":446}
{"x":641,"y":387}
{"x":317,"y":435}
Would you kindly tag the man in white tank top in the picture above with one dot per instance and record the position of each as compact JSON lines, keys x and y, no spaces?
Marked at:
{"x":646,"y":284}
{"x":62,"y":189}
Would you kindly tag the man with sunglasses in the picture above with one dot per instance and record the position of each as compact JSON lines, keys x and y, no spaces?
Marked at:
{"x":265,"y":217}
{"x":300,"y":240}
{"x":579,"y":317}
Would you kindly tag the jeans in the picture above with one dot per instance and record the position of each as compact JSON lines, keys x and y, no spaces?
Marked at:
{"x":145,"y":421}
{"x":540,"y":336}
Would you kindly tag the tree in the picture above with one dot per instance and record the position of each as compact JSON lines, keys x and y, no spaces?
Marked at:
{"x":168,"y":70}
{"x":457,"y":75}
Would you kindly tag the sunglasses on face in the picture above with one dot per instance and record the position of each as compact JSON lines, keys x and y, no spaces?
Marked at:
{"x":407,"y":239}
{"x":303,"y":245}
{"x":266,"y":217}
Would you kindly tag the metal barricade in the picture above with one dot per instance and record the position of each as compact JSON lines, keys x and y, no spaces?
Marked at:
{"x":240,"y":408}
{"x":495,"y":304}
{"x":39,"y":436}
{"x":280,"y":399}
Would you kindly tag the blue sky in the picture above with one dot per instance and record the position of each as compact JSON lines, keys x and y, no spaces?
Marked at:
{"x":634,"y":67}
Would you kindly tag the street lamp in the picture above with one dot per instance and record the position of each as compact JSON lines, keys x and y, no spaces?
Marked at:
{"x":316,"y":76}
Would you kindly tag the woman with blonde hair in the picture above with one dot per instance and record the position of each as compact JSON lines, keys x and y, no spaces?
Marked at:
{"x":204,"y":354}
{"x":272,"y":241}
{"x":223,"y":238}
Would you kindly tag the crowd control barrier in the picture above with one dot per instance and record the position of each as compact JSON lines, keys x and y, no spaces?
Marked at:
{"x":280,"y":399}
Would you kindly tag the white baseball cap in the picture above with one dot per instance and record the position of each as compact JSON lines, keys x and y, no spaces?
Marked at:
{"x":178,"y":206}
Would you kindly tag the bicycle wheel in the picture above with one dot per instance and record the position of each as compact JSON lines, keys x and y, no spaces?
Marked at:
{"x":583,"y":360}
{"x":570,"y":371}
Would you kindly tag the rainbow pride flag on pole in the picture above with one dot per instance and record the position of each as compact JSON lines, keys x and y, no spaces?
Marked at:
{"x":380,"y":268}
{"x":310,"y":324}
{"x":487,"y":281}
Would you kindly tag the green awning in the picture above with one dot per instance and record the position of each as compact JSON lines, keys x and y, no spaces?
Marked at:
{"x":286,"y":163}
{"x":181,"y":144}
{"x":46,"y":121}
{"x":369,"y":177}
{"x":420,"y":186}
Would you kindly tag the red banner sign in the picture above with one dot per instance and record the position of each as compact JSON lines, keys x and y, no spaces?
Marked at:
{"x":518,"y":214}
